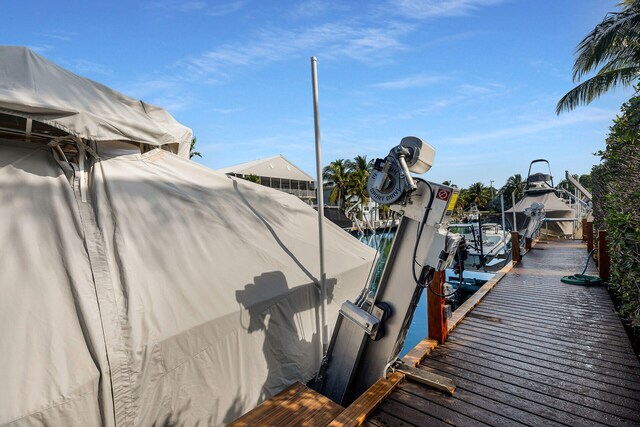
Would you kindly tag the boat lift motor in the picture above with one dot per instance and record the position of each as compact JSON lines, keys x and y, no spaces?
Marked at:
{"x":370,"y":332}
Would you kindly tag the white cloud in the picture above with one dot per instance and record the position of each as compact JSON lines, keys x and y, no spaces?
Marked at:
{"x":309,"y":9}
{"x":418,"y":80}
{"x":195,"y":5}
{"x":423,"y":9}
{"x":167,"y":93}
{"x":227,"y":110}
{"x":327,"y":41}
{"x":82,"y":66}
{"x":535,"y":125}
{"x":59,"y":35}
{"x":225,"y":9}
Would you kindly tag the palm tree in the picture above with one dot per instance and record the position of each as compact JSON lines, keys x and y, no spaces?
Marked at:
{"x":359,"y":172}
{"x":336,"y":175}
{"x":614,"y":44}
{"x":192,"y":152}
{"x":479,"y":194}
{"x":514,"y":185}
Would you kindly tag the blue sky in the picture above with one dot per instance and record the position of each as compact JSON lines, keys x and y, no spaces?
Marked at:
{"x":477,"y":79}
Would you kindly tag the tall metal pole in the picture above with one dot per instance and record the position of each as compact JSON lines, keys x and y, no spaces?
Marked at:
{"x":320,"y":195}
{"x":513,"y":204}
{"x":504,"y":230}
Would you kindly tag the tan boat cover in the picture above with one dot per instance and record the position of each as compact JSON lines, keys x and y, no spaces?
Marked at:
{"x":554,"y":208}
{"x":174,"y":293}
{"x":35,"y":88}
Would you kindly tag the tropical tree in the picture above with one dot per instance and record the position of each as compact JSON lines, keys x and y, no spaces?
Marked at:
{"x":614,"y":45}
{"x":479,"y":194}
{"x":514,"y":185}
{"x":359,"y":172}
{"x":192,"y":152}
{"x":336,"y":176}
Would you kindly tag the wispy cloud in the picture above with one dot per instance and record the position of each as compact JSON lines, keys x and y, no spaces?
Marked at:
{"x":82,"y":66}
{"x":41,"y":48}
{"x":331,"y":40}
{"x":534,"y":126}
{"x":61,"y":35}
{"x":167,"y":93}
{"x":312,"y":8}
{"x":219,"y":9}
{"x":473,"y":90}
{"x":423,"y":9}
{"x":225,"y":9}
{"x":418,"y":80}
{"x":227,"y":110}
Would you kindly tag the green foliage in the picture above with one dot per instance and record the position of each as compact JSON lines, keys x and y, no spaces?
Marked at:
{"x":613,"y":45}
{"x":616,"y":193}
{"x":253,"y":178}
{"x":336,"y":176}
{"x":192,"y":152}
{"x":479,"y":194}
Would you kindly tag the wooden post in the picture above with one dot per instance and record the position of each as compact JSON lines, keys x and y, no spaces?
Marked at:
{"x":436,"y":319}
{"x":588,"y":230}
{"x":515,"y":247}
{"x":603,"y":255}
{"x":527,"y":243}
{"x":584,"y":229}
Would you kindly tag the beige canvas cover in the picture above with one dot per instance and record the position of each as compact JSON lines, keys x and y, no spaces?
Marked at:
{"x":175,"y":291}
{"x":173,"y":294}
{"x":554,"y":208}
{"x":35,"y":88}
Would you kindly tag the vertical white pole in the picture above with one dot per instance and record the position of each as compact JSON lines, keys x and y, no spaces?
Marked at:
{"x":513,"y":202}
{"x":319,"y":189}
{"x":504,"y":230}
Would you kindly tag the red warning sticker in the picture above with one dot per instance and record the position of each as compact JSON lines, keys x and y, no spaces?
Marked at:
{"x":442,"y":194}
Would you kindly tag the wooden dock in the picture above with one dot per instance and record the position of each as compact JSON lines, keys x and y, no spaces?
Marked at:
{"x":534,"y":352}
{"x":526,"y":349}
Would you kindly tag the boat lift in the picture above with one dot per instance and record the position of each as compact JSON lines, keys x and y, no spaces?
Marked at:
{"x":371,"y":331}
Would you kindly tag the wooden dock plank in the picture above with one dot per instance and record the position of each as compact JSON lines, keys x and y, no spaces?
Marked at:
{"x":540,"y":359}
{"x":599,"y":397}
{"x":478,"y":413}
{"x":364,"y":405}
{"x":543,"y":345}
{"x":534,"y":351}
{"x":419,"y":352}
{"x":515,"y":415}
{"x":553,"y":354}
{"x":542,"y":337}
{"x":297,"y":405}
{"x":578,"y":401}
{"x":394,"y":410}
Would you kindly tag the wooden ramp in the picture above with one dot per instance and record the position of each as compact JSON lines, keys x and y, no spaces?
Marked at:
{"x":534,"y":352}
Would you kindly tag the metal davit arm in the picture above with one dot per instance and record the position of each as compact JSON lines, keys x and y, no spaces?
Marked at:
{"x":368,"y":337}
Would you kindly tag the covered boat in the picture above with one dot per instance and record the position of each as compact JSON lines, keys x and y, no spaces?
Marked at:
{"x":139,"y":287}
{"x":559,"y":218}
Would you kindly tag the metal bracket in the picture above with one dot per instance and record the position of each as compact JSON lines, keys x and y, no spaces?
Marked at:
{"x":366,"y":321}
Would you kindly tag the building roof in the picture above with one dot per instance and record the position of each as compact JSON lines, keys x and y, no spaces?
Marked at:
{"x":273,"y":167}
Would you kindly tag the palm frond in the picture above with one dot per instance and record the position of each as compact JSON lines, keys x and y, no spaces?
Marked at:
{"x":592,"y":88}
{"x":618,"y":34}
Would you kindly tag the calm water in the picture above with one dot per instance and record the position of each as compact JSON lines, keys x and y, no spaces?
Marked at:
{"x":418,"y":329}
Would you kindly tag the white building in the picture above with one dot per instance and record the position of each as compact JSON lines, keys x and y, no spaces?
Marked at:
{"x":279,"y":173}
